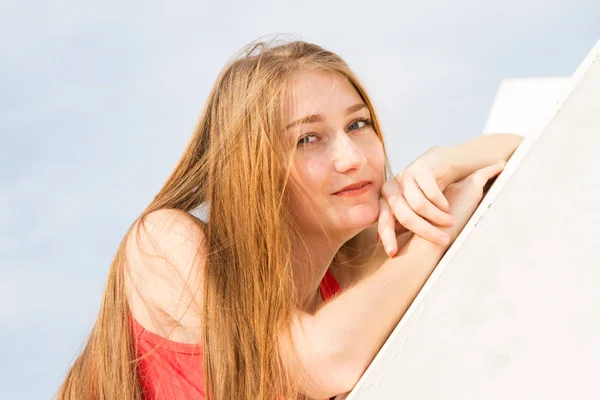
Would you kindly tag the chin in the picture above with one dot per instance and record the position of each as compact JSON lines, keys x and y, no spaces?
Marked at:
{"x":359,"y":217}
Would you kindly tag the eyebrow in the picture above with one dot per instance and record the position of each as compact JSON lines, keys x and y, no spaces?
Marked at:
{"x":310,"y":119}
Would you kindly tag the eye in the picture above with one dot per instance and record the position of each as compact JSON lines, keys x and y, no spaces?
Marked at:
{"x":307,"y":139}
{"x":359,"y":124}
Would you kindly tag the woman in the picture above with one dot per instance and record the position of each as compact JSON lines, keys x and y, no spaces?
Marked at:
{"x":288,"y":160}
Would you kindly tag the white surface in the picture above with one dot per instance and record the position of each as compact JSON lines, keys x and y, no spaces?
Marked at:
{"x":525,"y":105}
{"x":513,"y":309}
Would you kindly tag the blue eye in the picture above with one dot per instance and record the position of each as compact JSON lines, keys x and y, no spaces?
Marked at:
{"x":356,"y":125}
{"x":306,"y":140}
{"x":359,"y":124}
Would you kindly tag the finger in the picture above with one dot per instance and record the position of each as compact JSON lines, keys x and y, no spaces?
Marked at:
{"x":385,"y":228}
{"x":423,"y":207}
{"x":432,"y":191}
{"x":481,"y":176}
{"x":390,"y":188}
{"x":411,"y":221}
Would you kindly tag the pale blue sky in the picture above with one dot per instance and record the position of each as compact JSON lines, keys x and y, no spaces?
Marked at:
{"x":97,"y":100}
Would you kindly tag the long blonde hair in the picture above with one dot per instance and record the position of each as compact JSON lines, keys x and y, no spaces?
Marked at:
{"x":236,"y":161}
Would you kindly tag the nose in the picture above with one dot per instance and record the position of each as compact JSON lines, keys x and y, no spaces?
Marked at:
{"x":347,"y":156}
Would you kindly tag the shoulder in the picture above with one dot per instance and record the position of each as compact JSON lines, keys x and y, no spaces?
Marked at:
{"x":165,"y":258}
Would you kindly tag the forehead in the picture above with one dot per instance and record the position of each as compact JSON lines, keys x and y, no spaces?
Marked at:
{"x":318,"y":92}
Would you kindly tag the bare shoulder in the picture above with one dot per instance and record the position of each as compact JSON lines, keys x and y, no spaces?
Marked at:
{"x":165,"y":258}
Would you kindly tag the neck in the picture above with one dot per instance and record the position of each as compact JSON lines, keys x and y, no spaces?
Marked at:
{"x":314,"y":255}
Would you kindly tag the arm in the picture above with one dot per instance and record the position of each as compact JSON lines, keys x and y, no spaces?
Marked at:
{"x":337,"y":344}
{"x":466,"y":158}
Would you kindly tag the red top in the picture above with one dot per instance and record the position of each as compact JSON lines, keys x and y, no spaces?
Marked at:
{"x":174,"y":371}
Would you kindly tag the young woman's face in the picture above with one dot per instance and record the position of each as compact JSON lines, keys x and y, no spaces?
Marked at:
{"x":338,"y":168}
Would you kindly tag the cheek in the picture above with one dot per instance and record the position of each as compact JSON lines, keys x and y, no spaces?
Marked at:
{"x":373,"y":151}
{"x":308,"y":186}
{"x":310,"y":173}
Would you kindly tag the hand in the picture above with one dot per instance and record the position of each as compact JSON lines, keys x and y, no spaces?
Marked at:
{"x":463,"y":198}
{"x":414,"y":201}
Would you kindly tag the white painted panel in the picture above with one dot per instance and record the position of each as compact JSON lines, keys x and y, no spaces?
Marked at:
{"x":513,"y":309}
{"x":525,"y":105}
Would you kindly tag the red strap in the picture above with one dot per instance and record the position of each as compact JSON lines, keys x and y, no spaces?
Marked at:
{"x":329,"y":286}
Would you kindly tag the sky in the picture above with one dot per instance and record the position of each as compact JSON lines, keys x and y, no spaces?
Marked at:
{"x":98,"y":99}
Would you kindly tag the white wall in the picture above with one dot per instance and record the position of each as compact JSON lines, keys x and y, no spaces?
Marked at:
{"x":525,"y":105}
{"x":513,"y":309}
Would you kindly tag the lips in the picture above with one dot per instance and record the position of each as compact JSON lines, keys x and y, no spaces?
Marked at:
{"x":353,"y":188}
